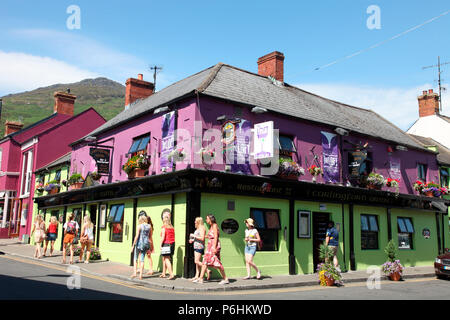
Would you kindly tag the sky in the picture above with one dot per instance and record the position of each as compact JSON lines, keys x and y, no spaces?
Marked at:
{"x":44,"y":43}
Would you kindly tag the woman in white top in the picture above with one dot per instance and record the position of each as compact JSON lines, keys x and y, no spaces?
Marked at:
{"x":251,"y":242}
{"x":198,"y":240}
{"x":87,"y":238}
{"x":39,"y":235}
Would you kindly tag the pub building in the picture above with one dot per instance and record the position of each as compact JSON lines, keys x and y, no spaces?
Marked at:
{"x":291,"y":212}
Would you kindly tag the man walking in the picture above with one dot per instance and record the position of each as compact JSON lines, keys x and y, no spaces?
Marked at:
{"x":332,"y":240}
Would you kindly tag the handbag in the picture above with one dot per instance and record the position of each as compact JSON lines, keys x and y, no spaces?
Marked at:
{"x":165,"y":250}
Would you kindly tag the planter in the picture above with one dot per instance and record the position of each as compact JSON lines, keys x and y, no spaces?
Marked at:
{"x":53,"y":191}
{"x":139,"y":173}
{"x":285,"y":176}
{"x":429,"y":194}
{"x":396,"y":276}
{"x":330,"y":282}
{"x":373,"y":187}
{"x":76,"y":185}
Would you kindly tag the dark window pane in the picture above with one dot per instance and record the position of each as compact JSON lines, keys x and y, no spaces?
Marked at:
{"x":272,"y":220}
{"x":270,"y":239}
{"x":257,"y":215}
{"x":404,"y":241}
{"x":409,"y":226}
{"x":401,"y":225}
{"x":143,"y":143}
{"x":286,"y":143}
{"x":364,"y":223}
{"x":373,"y":223}
{"x":134,"y":146}
{"x":58,"y":175}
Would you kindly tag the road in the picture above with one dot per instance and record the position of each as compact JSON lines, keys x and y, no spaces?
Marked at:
{"x":32,"y":279}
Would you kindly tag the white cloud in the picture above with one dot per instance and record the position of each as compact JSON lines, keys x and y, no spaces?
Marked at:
{"x":397,"y":105}
{"x":22,"y":72}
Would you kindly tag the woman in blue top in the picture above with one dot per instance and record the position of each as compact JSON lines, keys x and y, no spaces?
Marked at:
{"x":141,"y":245}
{"x":332,"y":240}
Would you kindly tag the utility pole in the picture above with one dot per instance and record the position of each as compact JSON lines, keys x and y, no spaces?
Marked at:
{"x":439,"y":79}
{"x":155,"y":69}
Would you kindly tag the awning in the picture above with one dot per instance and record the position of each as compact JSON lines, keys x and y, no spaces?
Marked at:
{"x":442,"y":207}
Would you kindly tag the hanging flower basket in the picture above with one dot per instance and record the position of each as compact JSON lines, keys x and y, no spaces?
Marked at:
{"x":289,"y":169}
{"x":375,"y":181}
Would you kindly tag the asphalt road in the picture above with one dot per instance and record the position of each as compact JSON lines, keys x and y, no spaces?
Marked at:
{"x":32,"y":279}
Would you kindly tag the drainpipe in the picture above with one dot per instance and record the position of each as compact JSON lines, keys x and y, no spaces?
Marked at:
{"x":389,"y":223}
{"x":352,"y":241}
{"x":291,"y":237}
{"x":135,"y":203}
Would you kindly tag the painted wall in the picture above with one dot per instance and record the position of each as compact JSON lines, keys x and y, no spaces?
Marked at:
{"x":232,"y":252}
{"x":434,"y":127}
{"x":10,"y":163}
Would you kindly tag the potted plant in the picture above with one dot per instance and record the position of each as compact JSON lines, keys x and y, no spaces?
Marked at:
{"x":177,"y":154}
{"x":328,"y":274}
{"x":52,"y":187}
{"x":375,"y":181}
{"x":393,"y":183}
{"x":315,"y":171}
{"x":289,"y":169}
{"x":40,"y":187}
{"x":96,"y":176}
{"x":95,"y":252}
{"x":75,"y":181}
{"x":392,"y":268}
{"x":136,"y":166}
{"x":431,"y":189}
{"x":418,"y":186}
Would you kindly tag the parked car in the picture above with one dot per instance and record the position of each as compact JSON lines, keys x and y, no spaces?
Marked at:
{"x":442,"y":265}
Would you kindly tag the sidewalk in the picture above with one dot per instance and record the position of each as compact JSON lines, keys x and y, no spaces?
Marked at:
{"x":121,"y":271}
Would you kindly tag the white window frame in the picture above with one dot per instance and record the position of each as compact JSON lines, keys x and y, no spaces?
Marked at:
{"x":28,"y":174}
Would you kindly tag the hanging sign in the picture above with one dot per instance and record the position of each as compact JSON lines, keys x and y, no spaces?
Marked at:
{"x":263,"y":140}
{"x":228,"y":132}
{"x":356,"y":159}
{"x":101,"y":157}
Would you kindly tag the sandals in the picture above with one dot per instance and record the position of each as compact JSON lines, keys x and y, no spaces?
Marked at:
{"x":172,"y":277}
{"x":246,"y":278}
{"x":224,"y":282}
{"x":198,"y":281}
{"x":258,"y":275}
{"x":208,"y":277}
{"x":162,"y":276}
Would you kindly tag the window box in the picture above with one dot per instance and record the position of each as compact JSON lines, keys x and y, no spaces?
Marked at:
{"x":76,"y":185}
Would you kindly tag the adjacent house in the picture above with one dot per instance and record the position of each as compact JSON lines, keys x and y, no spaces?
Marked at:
{"x":24,"y":150}
{"x":204,"y":145}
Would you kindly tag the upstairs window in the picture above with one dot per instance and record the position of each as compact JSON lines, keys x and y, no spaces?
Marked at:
{"x":139,"y":144}
{"x":286,"y":146}
{"x":422,"y":172}
{"x":27,"y":171}
{"x":444,"y":178}
{"x":405,"y":233}
{"x":58,"y":175}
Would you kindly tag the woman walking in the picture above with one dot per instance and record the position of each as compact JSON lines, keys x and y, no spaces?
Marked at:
{"x":167,"y":247}
{"x":39,"y":235}
{"x":87,"y":238}
{"x":141,"y":245}
{"x":252,"y":240}
{"x":152,"y":247}
{"x":198,"y":240}
{"x":212,"y":254}
{"x":71,"y":228}
{"x":52,"y":234}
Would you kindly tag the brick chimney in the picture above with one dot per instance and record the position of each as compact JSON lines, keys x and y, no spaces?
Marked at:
{"x":137,"y":89}
{"x":64,"y":103}
{"x":272,"y":65}
{"x":12,"y":126}
{"x":428,"y":103}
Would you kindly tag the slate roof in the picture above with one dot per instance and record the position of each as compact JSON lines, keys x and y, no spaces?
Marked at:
{"x":444,"y":153}
{"x":240,"y":86}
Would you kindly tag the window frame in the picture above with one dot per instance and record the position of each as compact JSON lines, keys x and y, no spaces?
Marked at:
{"x":267,"y":233}
{"x":285,"y":152}
{"x":408,"y":231}
{"x":138,"y":141}
{"x":369,"y":234}
{"x":444,"y":178}
{"x":112,"y":222}
{"x":419,"y":171}
{"x":27,"y":172}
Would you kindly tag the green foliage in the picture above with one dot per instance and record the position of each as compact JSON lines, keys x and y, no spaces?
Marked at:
{"x":74,"y":178}
{"x":325,"y":252}
{"x":391,"y":251}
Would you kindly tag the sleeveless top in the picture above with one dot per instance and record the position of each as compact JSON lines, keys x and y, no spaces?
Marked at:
{"x":252,"y":235}
{"x":89,"y":232}
{"x":169,"y":235}
{"x":144,"y":234}
{"x":198,"y":244}
{"x":52,"y":228}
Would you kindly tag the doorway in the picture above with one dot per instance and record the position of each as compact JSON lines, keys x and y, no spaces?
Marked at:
{"x":93,"y":216}
{"x":320,"y":225}
{"x":14,"y":223}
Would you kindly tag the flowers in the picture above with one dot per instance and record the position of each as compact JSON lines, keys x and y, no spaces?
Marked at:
{"x":49,"y":186}
{"x":376,"y":180}
{"x":444,"y":191}
{"x":143,"y":161}
{"x":391,"y":267}
{"x":392,"y":183}
{"x":177,"y":155}
{"x":139,"y":161}
{"x":95,"y":175}
{"x":418,"y":186}
{"x":207,"y":154}
{"x":290,"y":169}
{"x":328,"y":271}
{"x":75,"y":178}
{"x":315,"y":170}
{"x":40,"y":187}
{"x":65,"y":183}
{"x":432,"y":189}
{"x":95,"y":252}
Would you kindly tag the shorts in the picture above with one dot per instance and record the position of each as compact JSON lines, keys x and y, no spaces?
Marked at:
{"x":52,"y":236}
{"x":139,"y":254}
{"x":68,"y":238}
{"x":250,"y":250}
{"x":201,"y":251}
{"x":333,"y":249}
{"x":172,"y":249}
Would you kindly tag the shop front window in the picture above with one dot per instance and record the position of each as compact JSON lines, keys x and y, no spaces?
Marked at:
{"x":115,"y":219}
{"x":369,"y":232}
{"x":405,"y":233}
{"x":267,"y":221}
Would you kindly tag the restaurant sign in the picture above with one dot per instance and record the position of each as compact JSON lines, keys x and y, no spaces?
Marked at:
{"x":101,"y":157}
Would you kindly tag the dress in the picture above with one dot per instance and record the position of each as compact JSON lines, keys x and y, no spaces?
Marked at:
{"x":39,"y":232}
{"x":210,"y":259}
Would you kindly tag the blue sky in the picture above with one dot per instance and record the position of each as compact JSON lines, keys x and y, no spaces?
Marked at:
{"x":120,"y":39}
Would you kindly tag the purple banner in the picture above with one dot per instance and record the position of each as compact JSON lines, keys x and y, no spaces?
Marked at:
{"x":241,"y":148}
{"x":394,"y":168}
{"x":168,"y":139}
{"x":330,"y":157}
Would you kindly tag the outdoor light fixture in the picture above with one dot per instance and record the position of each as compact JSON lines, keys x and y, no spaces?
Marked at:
{"x":162,"y":109}
{"x":258,"y":110}
{"x":341,"y":131}
{"x":221,"y":118}
{"x":90,"y":138}
{"x":401,"y":148}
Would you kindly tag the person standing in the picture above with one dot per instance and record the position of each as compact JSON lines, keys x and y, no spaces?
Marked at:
{"x":167,"y":246}
{"x":198,"y":240}
{"x":332,"y":240}
{"x":71,"y":228}
{"x":87,"y":238}
{"x":141,"y":245}
{"x":52,"y":234}
{"x":212,"y":253}
{"x":152,"y":247}
{"x":252,"y":239}
{"x":39,"y":235}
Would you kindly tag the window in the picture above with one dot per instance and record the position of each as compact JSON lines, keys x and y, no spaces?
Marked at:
{"x":139,"y":143}
{"x":115,"y":219}
{"x":286,"y":145}
{"x":267,"y":221}
{"x":58,"y":175}
{"x":369,"y":232}
{"x":444,"y":178}
{"x":405,"y":233}
{"x":422,"y":172}
{"x":360,"y":163}
{"x":1,"y":154}
{"x":304,"y":224}
{"x":27,"y":171}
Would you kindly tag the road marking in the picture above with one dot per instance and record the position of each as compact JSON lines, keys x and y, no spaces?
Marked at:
{"x":221,"y":293}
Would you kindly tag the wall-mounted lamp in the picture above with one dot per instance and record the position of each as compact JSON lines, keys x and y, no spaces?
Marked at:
{"x":161,"y":109}
{"x":90,"y":139}
{"x":221,"y":118}
{"x":258,"y":110}
{"x":341,"y":131}
{"x":401,"y":148}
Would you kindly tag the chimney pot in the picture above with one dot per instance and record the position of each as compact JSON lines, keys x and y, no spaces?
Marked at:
{"x":272,"y":64}
{"x":137,"y":89}
{"x":430,"y":91}
{"x":424,"y":92}
{"x":140,"y":76}
{"x":428,"y":103}
{"x":64,"y":103}
{"x":12,"y":126}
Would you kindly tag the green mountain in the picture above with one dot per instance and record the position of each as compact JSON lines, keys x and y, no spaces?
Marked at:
{"x":107,"y":97}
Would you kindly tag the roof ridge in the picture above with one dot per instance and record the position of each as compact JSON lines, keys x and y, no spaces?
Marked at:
{"x":205,"y":84}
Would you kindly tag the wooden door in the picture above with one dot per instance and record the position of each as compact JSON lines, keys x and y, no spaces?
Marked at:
{"x":320,"y":225}
{"x":14,"y":223}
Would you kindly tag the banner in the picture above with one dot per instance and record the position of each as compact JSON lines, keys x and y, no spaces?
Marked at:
{"x":263,"y":140}
{"x":330,"y":157}
{"x":394,"y":168}
{"x":168,"y":139}
{"x":242,"y":147}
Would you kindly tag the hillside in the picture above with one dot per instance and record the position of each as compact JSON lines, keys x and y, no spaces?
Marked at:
{"x":106,"y":96}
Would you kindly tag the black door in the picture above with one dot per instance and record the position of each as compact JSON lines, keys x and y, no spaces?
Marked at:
{"x":320,"y":225}
{"x":93,"y":216}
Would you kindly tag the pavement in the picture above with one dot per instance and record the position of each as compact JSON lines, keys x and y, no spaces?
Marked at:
{"x":121,"y":271}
